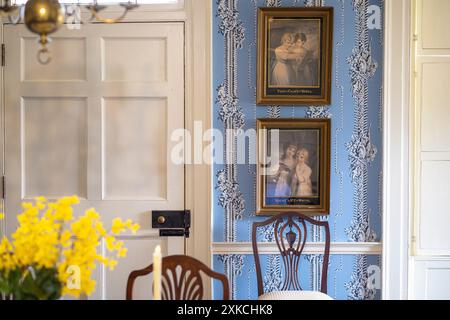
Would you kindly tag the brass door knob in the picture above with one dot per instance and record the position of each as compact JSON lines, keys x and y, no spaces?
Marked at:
{"x":161,"y":220}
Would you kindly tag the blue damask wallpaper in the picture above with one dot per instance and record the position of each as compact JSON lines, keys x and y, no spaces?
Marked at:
{"x":356,"y":113}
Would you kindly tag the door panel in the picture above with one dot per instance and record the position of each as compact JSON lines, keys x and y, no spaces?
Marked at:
{"x":68,"y":60}
{"x":131,"y":174}
{"x":54,"y":151}
{"x":146,"y":59}
{"x":433,"y":228}
{"x":96,"y":122}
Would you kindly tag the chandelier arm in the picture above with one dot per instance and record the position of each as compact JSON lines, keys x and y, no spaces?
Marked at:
{"x":96,"y":13}
{"x":16,"y":19}
{"x":8,"y":11}
{"x":44,"y":17}
{"x":72,"y":13}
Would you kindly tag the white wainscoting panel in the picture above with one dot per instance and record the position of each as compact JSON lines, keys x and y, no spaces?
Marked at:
{"x":433,"y":31}
{"x":434,"y":108}
{"x":434,"y":214}
{"x":432,"y":278}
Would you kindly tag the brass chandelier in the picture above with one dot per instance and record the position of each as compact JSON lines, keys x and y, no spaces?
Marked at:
{"x":44,"y":17}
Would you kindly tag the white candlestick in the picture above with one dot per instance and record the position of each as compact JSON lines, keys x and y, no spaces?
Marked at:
{"x":157,"y":266}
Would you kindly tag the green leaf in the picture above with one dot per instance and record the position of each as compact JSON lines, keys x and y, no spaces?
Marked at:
{"x":35,"y":284}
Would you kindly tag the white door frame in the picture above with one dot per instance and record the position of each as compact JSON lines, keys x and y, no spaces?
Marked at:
{"x":398,"y":138}
{"x":199,"y":108}
{"x":197,"y":16}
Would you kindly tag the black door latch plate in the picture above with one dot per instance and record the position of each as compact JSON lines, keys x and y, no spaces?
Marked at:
{"x":172,"y":223}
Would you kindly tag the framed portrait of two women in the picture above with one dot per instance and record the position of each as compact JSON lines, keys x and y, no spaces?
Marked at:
{"x":294,"y":56}
{"x":293,"y":169}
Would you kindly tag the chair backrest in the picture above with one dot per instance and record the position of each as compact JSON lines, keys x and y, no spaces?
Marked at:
{"x":180,"y":279}
{"x":290,"y":233}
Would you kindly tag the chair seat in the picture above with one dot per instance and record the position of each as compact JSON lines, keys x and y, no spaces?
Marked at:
{"x":295,"y":295}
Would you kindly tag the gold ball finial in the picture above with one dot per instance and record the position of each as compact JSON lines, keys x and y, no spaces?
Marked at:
{"x":43,"y":17}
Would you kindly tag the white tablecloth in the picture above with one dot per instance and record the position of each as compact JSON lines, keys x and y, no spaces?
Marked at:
{"x":295,"y":295}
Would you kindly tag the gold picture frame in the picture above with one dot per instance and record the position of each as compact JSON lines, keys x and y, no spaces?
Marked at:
{"x":293,"y":167}
{"x":294,"y":56}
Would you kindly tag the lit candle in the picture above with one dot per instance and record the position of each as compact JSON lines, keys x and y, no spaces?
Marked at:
{"x":157,"y":266}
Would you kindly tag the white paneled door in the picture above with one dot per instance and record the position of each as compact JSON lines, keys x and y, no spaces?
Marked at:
{"x":96,"y":122}
{"x":430,"y":258}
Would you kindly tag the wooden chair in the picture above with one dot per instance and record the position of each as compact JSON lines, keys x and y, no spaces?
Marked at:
{"x":180,"y":279}
{"x":290,"y":234}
